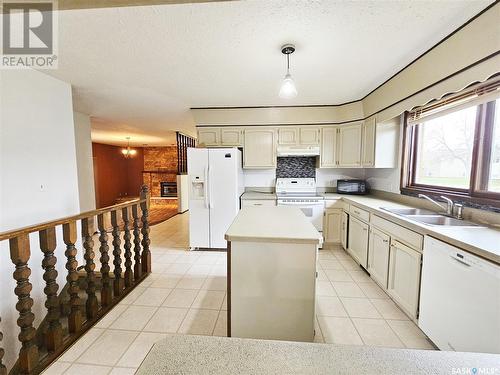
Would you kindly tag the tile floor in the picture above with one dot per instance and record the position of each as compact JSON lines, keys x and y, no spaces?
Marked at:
{"x":186,"y":294}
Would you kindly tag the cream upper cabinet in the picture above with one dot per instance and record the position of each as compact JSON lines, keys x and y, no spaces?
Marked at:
{"x":209,"y":136}
{"x":404,"y":277}
{"x":368,"y":143}
{"x":309,"y":135}
{"x":358,"y":241}
{"x":231,"y":137}
{"x":344,"y":231}
{"x":349,"y":145}
{"x":378,"y":256}
{"x":328,"y":147}
{"x":288,"y":136}
{"x":259,"y":148}
{"x":332,"y":225}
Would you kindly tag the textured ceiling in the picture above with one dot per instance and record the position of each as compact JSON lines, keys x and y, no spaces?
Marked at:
{"x":138,"y":70}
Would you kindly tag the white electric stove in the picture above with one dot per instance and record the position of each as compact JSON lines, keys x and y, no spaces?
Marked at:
{"x":301,"y":192}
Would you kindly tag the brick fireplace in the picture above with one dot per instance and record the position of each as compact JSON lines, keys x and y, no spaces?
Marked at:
{"x":160,"y":166}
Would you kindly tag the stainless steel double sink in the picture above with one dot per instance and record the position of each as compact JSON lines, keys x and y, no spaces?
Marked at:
{"x":429,"y":217}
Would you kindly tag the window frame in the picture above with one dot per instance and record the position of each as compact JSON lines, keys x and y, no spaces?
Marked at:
{"x":480,"y":163}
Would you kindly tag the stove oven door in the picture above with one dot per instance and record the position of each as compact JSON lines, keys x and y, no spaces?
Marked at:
{"x":313,"y":211}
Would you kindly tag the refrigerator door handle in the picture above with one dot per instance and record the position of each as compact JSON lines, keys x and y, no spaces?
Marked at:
{"x":205,"y":189}
{"x":210,"y":203}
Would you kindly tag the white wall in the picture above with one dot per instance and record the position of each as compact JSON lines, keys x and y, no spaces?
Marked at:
{"x":39,"y":181}
{"x":84,"y":161}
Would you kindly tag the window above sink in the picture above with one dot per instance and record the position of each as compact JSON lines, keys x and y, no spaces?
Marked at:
{"x":452,"y":147}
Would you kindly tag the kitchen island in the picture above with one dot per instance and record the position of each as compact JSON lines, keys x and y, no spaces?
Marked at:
{"x":272,"y":254}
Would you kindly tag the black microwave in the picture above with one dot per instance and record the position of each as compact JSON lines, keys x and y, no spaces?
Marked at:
{"x":352,"y":187}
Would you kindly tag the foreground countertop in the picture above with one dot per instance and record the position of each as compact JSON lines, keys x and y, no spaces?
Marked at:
{"x":184,"y":354}
{"x":272,"y":224}
{"x":251,"y":195}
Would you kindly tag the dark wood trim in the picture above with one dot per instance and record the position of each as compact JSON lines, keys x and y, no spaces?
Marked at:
{"x":273,"y":125}
{"x":280,"y":106}
{"x":380,"y":110}
{"x":433,"y":47}
{"x":440,"y":81}
{"x":388,"y":79}
{"x":228,"y":289}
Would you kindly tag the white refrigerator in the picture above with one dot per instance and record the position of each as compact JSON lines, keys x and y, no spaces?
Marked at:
{"x":215,"y":188}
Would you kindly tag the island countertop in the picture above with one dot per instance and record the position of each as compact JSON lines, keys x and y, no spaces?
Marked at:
{"x":272,"y":224}
{"x":181,"y":354}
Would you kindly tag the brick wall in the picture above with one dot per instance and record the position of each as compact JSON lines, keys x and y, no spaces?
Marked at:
{"x":163,"y":162}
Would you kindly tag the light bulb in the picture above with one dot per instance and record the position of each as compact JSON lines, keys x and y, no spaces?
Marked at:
{"x":288,"y":89}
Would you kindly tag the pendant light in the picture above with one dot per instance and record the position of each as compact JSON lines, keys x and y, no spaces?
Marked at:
{"x":288,"y":89}
{"x":128,"y":152}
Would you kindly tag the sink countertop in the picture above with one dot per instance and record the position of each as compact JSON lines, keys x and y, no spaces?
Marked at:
{"x":481,"y":241}
{"x":185,"y":354}
{"x":250,"y":195}
{"x":272,"y":224}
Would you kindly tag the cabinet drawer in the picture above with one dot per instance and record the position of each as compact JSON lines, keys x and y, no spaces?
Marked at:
{"x":258,"y":202}
{"x":334,"y":203}
{"x":359,"y":213}
{"x":404,"y":235}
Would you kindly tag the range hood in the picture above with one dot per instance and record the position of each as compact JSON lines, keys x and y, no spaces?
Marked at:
{"x":298,"y":150}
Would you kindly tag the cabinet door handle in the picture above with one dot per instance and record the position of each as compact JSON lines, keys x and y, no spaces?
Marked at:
{"x":257,"y":204}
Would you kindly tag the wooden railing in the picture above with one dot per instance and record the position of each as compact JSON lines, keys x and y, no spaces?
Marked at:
{"x":79,"y":305}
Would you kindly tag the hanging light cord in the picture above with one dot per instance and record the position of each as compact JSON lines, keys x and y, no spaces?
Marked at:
{"x":287,"y":63}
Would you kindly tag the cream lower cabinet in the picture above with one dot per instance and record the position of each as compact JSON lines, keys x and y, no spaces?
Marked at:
{"x":258,"y":202}
{"x":404,"y":277}
{"x":332,"y":225}
{"x":378,"y":256}
{"x":344,"y":230}
{"x":259,"y":150}
{"x":358,"y":241}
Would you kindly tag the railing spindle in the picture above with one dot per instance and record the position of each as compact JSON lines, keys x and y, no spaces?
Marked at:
{"x":146,"y":253}
{"x":137,"y":242}
{"x":129,"y":275}
{"x":3,"y":369}
{"x":106,"y":290}
{"x":20,"y":254}
{"x":75,"y":315}
{"x":117,"y":260}
{"x":48,"y":245}
{"x":88,"y":244}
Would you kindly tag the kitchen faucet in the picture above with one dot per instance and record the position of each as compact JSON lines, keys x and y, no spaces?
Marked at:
{"x":449,"y":206}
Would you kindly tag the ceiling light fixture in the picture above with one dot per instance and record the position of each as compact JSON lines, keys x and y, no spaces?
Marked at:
{"x":128,"y":152}
{"x":288,"y":89}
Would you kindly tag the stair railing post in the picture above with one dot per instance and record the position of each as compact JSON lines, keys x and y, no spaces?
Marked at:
{"x":137,"y":242}
{"x":128,"y":275}
{"x":3,"y":369}
{"x":117,"y":260}
{"x":20,"y":255}
{"x":48,"y":244}
{"x":103,"y":222}
{"x":75,"y":315}
{"x":91,"y":306}
{"x":146,"y":253}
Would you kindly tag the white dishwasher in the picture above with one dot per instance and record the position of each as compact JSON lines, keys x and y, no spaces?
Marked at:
{"x":459,"y":299}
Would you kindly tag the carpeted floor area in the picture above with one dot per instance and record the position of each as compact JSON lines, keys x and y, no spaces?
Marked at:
{"x":160,"y":213}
